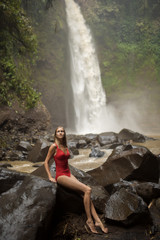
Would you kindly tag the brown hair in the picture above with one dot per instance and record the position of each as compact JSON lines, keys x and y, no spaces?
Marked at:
{"x":64,"y":142}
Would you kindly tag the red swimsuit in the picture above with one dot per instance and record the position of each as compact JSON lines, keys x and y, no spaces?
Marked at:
{"x":61,"y":160}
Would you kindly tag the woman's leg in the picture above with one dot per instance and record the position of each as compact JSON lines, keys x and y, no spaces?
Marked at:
{"x":98,"y":222}
{"x":74,"y":184}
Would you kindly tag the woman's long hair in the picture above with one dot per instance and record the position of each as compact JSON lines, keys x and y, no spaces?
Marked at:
{"x":64,"y":140}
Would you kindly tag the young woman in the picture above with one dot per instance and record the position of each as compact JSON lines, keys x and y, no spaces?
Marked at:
{"x":59,"y":151}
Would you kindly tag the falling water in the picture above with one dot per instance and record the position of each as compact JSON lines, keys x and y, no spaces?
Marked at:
{"x":89,"y":99}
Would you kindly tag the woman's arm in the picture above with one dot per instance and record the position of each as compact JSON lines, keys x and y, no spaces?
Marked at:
{"x":50,"y":154}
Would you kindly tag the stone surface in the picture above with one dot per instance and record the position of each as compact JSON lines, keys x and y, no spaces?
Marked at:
{"x":125,"y":207}
{"x":24,"y":146}
{"x":39,"y":151}
{"x":107,"y":138}
{"x":126,"y":135}
{"x":148,"y":190}
{"x":137,"y":163}
{"x":27,"y":205}
{"x":96,"y":152}
{"x":99,"y":194}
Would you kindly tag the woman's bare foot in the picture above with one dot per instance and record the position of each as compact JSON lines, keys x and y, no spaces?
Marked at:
{"x":100,"y":224}
{"x":91,"y":226}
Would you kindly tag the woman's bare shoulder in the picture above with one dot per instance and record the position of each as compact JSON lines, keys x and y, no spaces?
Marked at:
{"x":53,"y":146}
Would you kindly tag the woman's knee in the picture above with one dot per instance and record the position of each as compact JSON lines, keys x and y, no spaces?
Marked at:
{"x":88,"y":190}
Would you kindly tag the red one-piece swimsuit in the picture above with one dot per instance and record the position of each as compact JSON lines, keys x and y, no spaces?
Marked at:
{"x":61,"y":161}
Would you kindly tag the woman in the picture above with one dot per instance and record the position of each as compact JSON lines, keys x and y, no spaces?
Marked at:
{"x":59,"y":151}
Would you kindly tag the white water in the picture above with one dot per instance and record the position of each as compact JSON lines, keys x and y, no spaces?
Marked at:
{"x":91,"y":114}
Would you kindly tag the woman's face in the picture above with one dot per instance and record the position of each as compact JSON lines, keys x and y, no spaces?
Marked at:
{"x":60,"y":132}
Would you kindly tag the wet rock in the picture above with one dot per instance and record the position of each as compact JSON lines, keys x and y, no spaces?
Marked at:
{"x":82,"y":143}
{"x":5,"y":165}
{"x":99,"y":194}
{"x":39,"y":151}
{"x":27,"y":206}
{"x":37,"y":165}
{"x":4,"y":116}
{"x":155,"y":216}
{"x":129,"y":186}
{"x":158,"y":203}
{"x":91,"y":137}
{"x":24,"y":146}
{"x":126,"y":135}
{"x":96,"y":152}
{"x":73,"y":147}
{"x":73,"y":151}
{"x":125,"y":207}
{"x":14,"y":155}
{"x":148,"y":190}
{"x":133,"y":164}
{"x":72,"y":144}
{"x":107,"y":138}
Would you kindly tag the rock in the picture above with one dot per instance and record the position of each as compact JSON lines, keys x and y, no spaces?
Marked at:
{"x":73,"y":227}
{"x":24,"y":146}
{"x":99,"y":194}
{"x":148,"y":190}
{"x":73,"y":147}
{"x":125,"y":207}
{"x":4,"y":116}
{"x":73,"y":151}
{"x":155,"y":216}
{"x":129,"y":186}
{"x":96,"y":152}
{"x":27,"y":206}
{"x":72,"y":144}
{"x":90,"y":137}
{"x":5,"y":165}
{"x":137,"y":163}
{"x":107,"y":138}
{"x":82,"y":143}
{"x":14,"y":155}
{"x":126,"y":135}
{"x":39,"y":151}
{"x":37,"y":165}
{"x":158,"y":203}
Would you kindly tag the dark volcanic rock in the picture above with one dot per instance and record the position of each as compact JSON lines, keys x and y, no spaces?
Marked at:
{"x":133,"y":164}
{"x":107,"y":138}
{"x":39,"y":152}
{"x":126,"y":207}
{"x":24,"y":146}
{"x":27,"y":206}
{"x":148,"y":190}
{"x":96,"y":152}
{"x":126,"y":135}
{"x":99,"y":194}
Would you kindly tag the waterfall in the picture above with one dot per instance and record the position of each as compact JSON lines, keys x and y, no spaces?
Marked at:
{"x":89,"y":99}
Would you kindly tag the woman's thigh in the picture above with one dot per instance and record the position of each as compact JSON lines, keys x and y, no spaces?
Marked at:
{"x":72,"y":183}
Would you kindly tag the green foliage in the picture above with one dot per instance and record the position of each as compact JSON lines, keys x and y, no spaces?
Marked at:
{"x":127,"y":34}
{"x":18,"y":49}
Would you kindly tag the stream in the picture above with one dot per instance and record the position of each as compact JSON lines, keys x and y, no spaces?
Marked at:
{"x":83,"y":161}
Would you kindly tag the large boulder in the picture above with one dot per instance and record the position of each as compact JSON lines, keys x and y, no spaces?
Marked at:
{"x":39,"y":151}
{"x":131,"y":163}
{"x":107,"y":138}
{"x":99,"y":194}
{"x":27,"y":206}
{"x":125,"y":207}
{"x":126,"y":135}
{"x":96,"y":152}
{"x":148,"y":190}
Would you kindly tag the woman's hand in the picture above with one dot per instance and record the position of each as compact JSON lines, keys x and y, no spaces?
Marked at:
{"x":52,"y":179}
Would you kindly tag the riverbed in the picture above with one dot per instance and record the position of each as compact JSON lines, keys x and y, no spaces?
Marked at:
{"x":83,"y":161}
